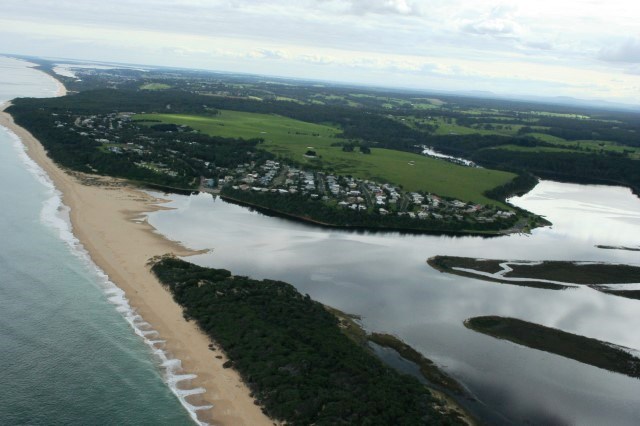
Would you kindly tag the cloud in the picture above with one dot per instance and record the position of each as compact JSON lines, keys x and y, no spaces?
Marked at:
{"x":499,"y":22}
{"x":634,"y":70}
{"x":627,"y":51}
{"x":538,"y":44}
{"x":269,"y":54}
{"x":364,"y":7}
{"x":492,"y":27}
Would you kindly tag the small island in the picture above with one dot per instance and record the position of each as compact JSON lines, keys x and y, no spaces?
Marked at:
{"x":582,"y":349}
{"x":548,"y":274}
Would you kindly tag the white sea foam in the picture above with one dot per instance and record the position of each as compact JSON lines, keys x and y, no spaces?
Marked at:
{"x":56,"y":215}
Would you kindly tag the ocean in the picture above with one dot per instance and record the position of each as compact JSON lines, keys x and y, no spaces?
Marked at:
{"x":72,"y":351}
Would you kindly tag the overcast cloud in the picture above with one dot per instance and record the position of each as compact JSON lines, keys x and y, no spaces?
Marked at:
{"x":627,"y":51}
{"x":580,"y":48}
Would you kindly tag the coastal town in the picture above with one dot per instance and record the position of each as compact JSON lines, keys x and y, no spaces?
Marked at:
{"x":361,"y":195}
{"x":160,"y":153}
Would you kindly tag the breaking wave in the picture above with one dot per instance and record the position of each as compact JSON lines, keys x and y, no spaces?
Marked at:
{"x":56,"y":215}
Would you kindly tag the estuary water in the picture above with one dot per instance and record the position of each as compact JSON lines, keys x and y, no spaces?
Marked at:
{"x":70,"y":355}
{"x":68,"y":352}
{"x":384,"y":278}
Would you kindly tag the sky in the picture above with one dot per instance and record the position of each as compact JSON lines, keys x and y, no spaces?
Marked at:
{"x":587,"y":49}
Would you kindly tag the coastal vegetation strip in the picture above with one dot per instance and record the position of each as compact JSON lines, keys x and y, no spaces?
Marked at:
{"x":629,"y":294}
{"x":427,"y":368}
{"x":582,"y":349}
{"x":605,"y":247}
{"x":349,"y":324}
{"x":292,"y":354}
{"x":543,"y":274}
{"x":314,"y":211}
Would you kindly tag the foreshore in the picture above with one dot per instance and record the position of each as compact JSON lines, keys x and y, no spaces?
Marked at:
{"x":107,"y":216}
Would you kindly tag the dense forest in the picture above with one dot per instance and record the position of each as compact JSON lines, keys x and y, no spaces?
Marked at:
{"x":579,"y":167}
{"x":104,"y":101}
{"x":567,"y":166}
{"x":293,"y":356}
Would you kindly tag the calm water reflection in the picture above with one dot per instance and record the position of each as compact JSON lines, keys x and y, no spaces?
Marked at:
{"x":384,"y":278}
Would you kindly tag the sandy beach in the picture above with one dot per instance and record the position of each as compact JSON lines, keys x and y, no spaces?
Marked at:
{"x":105,"y":214}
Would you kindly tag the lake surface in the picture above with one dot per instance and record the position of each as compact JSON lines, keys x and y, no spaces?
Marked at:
{"x":68,"y":354}
{"x":384,"y":278}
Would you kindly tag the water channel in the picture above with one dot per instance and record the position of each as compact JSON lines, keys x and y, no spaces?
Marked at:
{"x":384,"y":278}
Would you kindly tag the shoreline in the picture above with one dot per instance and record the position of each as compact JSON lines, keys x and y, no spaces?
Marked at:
{"x":108,"y":218}
{"x":361,"y":229}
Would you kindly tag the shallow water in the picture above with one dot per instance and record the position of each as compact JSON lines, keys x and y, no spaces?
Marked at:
{"x":384,"y":278}
{"x":68,"y":353}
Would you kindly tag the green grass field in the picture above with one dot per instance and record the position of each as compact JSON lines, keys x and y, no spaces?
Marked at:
{"x":234,"y":124}
{"x":591,"y":145}
{"x":557,"y":114}
{"x":291,"y":138}
{"x":432,"y":101}
{"x":535,"y":148}
{"x":445,"y":128}
{"x":324,"y":99}
{"x":287,"y":99}
{"x":155,"y":86}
